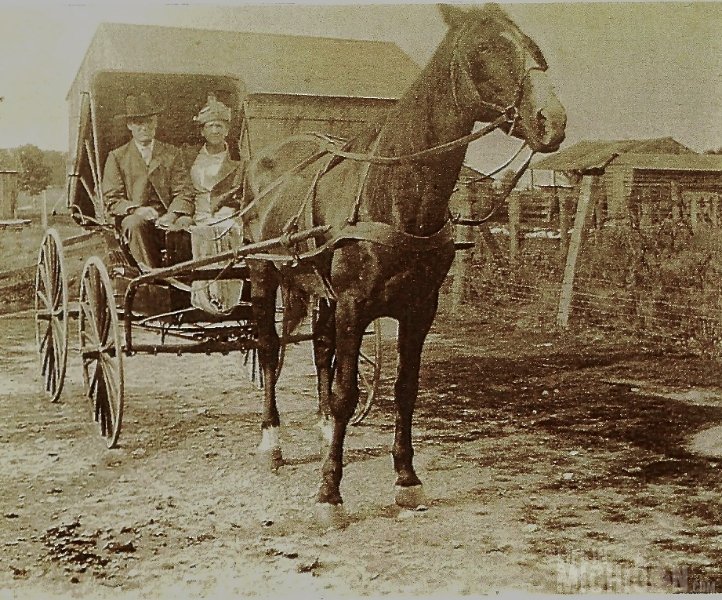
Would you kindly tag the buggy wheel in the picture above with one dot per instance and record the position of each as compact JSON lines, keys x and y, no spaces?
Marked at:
{"x":101,"y":349}
{"x":369,"y":371}
{"x":51,"y":314}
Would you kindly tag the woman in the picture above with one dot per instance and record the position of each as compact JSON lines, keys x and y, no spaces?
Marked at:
{"x":217,"y":180}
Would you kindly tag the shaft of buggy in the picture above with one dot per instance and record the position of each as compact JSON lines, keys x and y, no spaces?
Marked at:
{"x":288,"y":240}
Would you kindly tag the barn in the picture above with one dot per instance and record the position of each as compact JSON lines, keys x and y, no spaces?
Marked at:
{"x":638,"y":182}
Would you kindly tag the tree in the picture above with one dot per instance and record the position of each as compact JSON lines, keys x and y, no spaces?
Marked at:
{"x":8,"y":160}
{"x":34,"y":171}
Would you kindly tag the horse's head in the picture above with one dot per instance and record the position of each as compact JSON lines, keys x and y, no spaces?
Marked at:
{"x":495,"y":68}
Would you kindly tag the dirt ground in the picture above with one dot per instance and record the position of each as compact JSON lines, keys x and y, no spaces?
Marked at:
{"x":551,"y":463}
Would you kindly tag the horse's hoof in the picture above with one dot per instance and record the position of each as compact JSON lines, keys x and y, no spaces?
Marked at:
{"x":331,"y":515}
{"x":270,"y":460}
{"x":411,"y":496}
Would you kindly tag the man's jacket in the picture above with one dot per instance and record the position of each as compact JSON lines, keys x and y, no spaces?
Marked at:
{"x":164,"y":184}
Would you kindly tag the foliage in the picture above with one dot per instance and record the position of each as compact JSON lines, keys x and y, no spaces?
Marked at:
{"x":34,"y":171}
{"x":53,"y":159}
{"x":8,"y":160}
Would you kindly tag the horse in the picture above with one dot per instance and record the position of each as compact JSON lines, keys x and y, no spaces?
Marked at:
{"x":386,"y":244}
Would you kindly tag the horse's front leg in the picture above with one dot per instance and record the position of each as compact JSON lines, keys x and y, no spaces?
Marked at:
{"x":324,"y":344}
{"x":264,"y":284}
{"x":342,"y":403}
{"x":412,"y":333}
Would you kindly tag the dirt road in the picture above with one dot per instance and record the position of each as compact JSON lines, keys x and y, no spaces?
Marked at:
{"x":551,"y":464}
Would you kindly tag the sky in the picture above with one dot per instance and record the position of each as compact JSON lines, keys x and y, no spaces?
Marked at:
{"x":623,"y":70}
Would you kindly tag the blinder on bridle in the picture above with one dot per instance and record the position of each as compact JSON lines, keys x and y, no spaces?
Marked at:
{"x":460,"y":71}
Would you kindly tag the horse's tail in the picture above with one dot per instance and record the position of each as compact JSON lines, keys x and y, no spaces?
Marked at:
{"x":295,"y":307}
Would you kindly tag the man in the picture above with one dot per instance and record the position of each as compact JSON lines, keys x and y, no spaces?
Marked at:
{"x":145,"y":183}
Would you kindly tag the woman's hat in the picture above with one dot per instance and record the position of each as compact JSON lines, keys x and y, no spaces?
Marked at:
{"x":139,"y":106}
{"x":213,"y":111}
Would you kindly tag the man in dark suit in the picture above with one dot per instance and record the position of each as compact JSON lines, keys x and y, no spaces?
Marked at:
{"x":146,"y":183}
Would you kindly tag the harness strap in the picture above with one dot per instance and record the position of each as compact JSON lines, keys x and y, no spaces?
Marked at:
{"x":386,"y":235}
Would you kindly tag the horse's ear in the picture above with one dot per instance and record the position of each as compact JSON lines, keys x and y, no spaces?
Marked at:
{"x":454,"y":17}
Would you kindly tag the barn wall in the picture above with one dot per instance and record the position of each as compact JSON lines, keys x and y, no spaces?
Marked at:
{"x":273,"y":118}
{"x":618,"y":185}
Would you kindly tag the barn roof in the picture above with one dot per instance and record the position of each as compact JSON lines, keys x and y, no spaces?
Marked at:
{"x":593,"y":155}
{"x":671,"y":162}
{"x":265,"y":63}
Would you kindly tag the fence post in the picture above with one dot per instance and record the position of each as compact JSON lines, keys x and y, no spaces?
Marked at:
{"x":563,"y":227}
{"x":565,"y":298}
{"x":488,"y":237}
{"x":514,"y":209}
{"x":44,"y":211}
{"x":463,"y":260}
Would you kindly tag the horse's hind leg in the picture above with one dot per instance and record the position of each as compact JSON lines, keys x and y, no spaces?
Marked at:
{"x":412,"y":333}
{"x":324,"y":342}
{"x":264,"y":283}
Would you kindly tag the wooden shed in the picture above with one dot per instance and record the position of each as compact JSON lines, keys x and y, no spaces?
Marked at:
{"x":8,"y":193}
{"x":619,"y":171}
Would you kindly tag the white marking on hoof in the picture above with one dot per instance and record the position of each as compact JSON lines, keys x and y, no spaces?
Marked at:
{"x":269,"y":453}
{"x":411,"y":496}
{"x":331,"y":515}
{"x":326,"y":427}
{"x":270,"y":440}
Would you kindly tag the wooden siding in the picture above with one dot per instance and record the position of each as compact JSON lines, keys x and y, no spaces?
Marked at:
{"x":8,"y":194}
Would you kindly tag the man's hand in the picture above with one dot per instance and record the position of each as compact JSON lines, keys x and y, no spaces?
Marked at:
{"x":147,"y":213}
{"x":182,"y":222}
{"x":166,"y":220}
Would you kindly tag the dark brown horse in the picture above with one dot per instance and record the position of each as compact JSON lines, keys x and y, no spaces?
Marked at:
{"x":391,"y":246}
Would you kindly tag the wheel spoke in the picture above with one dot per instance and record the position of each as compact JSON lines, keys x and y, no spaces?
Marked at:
{"x":45,"y":301}
{"x":110,"y":378}
{"x":53,"y":375}
{"x":94,"y":379}
{"x":367,"y":359}
{"x":47,"y":287}
{"x":44,"y":342}
{"x":46,"y":361}
{"x":366,"y":382}
{"x":87,"y":308}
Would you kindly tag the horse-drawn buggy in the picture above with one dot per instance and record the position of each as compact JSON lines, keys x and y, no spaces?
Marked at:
{"x":354,"y":214}
{"x":117,"y":304}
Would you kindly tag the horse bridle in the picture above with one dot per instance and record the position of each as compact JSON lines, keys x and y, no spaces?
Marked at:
{"x":461,"y":67}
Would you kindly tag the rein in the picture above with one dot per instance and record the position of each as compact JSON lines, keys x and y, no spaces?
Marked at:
{"x":331,"y":146}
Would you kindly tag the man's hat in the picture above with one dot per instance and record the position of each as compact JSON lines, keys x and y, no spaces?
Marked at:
{"x":213,"y":111}
{"x":139,"y":107}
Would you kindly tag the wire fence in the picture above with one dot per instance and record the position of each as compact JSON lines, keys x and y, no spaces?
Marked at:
{"x":660,"y":285}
